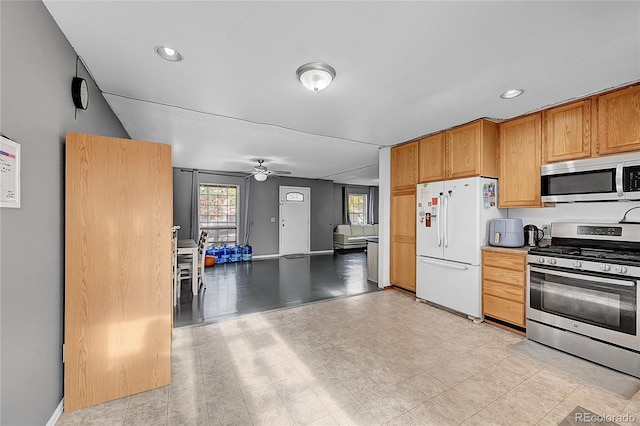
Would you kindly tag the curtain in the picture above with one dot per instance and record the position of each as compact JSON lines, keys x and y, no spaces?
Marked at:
{"x":195,"y":204}
{"x":372,"y":204}
{"x":246,"y":212}
{"x":345,"y":206}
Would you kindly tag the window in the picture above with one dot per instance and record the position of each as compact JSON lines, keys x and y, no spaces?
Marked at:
{"x":218,"y":213}
{"x":295,"y":196}
{"x":358,"y":209}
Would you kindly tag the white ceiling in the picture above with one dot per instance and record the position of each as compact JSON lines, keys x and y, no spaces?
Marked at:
{"x":404,"y":69}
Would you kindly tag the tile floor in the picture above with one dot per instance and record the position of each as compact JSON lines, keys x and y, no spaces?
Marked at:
{"x":376,"y":358}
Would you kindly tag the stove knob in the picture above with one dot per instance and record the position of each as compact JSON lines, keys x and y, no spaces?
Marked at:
{"x":621,"y":269}
{"x":577,"y":264}
{"x":605,"y":268}
{"x":540,"y":259}
{"x":552,"y":261}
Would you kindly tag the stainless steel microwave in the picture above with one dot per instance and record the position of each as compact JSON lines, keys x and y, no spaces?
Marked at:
{"x":615,"y":177}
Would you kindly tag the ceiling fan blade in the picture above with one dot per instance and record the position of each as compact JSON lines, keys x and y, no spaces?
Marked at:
{"x":280,"y":172}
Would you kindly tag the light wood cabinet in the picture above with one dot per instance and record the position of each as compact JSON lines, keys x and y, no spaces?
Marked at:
{"x":503,"y":285}
{"x":404,"y":166}
{"x":403,"y":239}
{"x":520,"y":146}
{"x":567,"y":132}
{"x":471,"y":150}
{"x":431,"y":158}
{"x":618,"y":127}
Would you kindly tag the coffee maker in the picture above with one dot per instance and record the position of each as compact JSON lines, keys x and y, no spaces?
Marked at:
{"x":532,"y":235}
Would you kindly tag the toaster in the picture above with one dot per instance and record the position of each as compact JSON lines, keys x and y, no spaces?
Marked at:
{"x":506,"y":233}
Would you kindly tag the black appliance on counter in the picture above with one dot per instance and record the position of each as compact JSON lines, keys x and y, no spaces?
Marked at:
{"x":532,"y":235}
{"x":583,"y":293}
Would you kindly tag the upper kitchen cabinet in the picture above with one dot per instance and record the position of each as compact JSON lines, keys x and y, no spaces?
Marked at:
{"x":404,"y":166}
{"x":567,"y":132}
{"x":618,"y":128}
{"x":431,"y":158}
{"x":520,"y":146}
{"x":471,"y":150}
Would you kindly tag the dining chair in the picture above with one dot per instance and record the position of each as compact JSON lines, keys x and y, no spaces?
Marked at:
{"x":185,"y":266}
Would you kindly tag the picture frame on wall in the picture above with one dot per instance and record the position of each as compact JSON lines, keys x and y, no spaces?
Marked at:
{"x":9,"y":173}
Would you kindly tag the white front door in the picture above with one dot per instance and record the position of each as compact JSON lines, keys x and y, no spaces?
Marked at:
{"x":295,"y":213}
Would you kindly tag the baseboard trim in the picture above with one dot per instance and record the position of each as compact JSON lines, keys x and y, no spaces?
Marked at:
{"x":266,"y":256}
{"x":322,"y":252}
{"x":274,"y":256}
{"x":56,"y":414}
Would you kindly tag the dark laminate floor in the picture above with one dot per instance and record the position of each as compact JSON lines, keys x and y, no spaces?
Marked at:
{"x":237,"y":289}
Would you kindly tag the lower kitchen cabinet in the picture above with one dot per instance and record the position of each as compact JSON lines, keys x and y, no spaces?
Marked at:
{"x":504,"y":285}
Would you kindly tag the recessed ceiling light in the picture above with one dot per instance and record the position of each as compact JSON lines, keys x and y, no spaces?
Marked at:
{"x":512,"y":93}
{"x":168,"y":53}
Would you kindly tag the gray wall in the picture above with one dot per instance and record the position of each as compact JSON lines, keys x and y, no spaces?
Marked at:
{"x":37,"y":66}
{"x":264,"y":206}
{"x":337,"y":200}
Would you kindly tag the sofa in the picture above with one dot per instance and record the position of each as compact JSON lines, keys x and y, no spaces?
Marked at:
{"x":353,"y":236}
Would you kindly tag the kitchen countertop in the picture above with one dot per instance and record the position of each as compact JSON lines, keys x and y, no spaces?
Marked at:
{"x":523,"y":249}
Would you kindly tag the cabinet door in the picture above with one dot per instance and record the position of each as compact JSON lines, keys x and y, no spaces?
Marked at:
{"x":520,"y":145}
{"x":403,"y":215}
{"x":463,"y":151}
{"x":403,"y":237}
{"x":431,"y":158}
{"x":567,"y":132}
{"x":619,"y":121}
{"x":404,"y":166}
{"x":403,"y":265}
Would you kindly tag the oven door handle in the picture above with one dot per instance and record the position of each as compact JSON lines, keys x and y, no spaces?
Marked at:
{"x":583,"y":277}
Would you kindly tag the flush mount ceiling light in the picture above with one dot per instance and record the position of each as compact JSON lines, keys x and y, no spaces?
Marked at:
{"x":260,"y":177}
{"x":168,"y":53}
{"x":512,"y":93}
{"x":316,"y":76}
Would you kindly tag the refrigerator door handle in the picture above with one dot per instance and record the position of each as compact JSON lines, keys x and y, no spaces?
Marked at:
{"x":438,"y":218}
{"x":445,"y":264}
{"x":446,"y":220}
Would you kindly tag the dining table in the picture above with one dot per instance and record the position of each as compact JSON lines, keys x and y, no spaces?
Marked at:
{"x":190,"y":247}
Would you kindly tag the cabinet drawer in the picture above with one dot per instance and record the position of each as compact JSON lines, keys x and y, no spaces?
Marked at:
{"x":506,"y":310}
{"x":503,"y":291}
{"x":507,"y":276}
{"x":504,"y":260}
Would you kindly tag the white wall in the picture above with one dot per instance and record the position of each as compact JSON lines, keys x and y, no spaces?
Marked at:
{"x":607,"y":212}
{"x":384,"y":211}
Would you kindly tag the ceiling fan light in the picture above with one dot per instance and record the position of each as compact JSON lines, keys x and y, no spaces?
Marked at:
{"x":316,"y":76}
{"x":260,"y":177}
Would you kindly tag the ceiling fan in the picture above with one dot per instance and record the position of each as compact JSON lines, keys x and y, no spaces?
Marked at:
{"x":260,"y":172}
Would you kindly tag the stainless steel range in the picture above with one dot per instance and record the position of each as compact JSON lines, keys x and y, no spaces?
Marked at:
{"x":583,"y":293}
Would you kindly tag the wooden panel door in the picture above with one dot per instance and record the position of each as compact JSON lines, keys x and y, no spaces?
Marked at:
{"x":404,"y":166}
{"x":118,"y":283}
{"x":520,"y":145}
{"x":619,"y":121}
{"x":567,"y":132}
{"x":431,"y":158}
{"x":463,"y":151}
{"x":403,"y":239}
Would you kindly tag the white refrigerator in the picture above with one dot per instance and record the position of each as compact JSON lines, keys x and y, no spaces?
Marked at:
{"x":452,"y":225}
